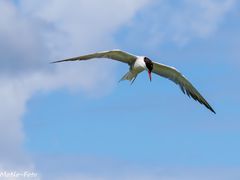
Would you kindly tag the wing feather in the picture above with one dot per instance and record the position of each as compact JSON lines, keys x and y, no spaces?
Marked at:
{"x":114,"y":54}
{"x":186,"y":87}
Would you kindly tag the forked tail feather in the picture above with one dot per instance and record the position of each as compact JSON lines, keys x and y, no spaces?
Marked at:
{"x":129,"y":76}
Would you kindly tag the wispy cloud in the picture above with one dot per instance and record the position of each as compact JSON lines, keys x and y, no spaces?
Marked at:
{"x":22,"y":47}
{"x":179,"y":22}
{"x":199,"y":19}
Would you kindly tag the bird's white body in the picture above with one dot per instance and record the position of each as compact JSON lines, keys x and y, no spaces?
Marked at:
{"x":138,"y":66}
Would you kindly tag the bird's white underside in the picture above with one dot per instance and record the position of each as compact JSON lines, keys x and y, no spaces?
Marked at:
{"x":139,"y":65}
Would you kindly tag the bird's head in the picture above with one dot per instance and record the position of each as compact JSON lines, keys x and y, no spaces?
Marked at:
{"x":149,"y":65}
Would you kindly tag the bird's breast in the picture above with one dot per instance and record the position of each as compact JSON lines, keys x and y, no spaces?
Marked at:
{"x":139,"y":65}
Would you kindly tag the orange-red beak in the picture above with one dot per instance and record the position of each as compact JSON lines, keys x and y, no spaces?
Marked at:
{"x":150,"y":75}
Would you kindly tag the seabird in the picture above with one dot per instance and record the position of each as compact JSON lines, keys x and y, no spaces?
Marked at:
{"x":137,"y":64}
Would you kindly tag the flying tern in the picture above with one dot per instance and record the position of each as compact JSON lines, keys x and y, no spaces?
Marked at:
{"x":137,"y":64}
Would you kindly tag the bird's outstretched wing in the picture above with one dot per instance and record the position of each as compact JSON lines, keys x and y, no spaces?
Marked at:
{"x":186,"y":87}
{"x":114,"y":54}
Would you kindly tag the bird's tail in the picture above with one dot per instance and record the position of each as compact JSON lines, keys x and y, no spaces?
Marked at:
{"x":129,"y":76}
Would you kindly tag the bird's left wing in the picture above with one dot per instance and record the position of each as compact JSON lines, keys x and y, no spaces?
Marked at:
{"x":114,"y":54}
{"x":186,"y":87}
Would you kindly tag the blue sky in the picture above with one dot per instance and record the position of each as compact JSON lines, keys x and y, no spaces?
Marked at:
{"x":75,"y":121}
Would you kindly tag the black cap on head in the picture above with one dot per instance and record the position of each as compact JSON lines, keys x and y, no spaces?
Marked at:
{"x":148,"y":63}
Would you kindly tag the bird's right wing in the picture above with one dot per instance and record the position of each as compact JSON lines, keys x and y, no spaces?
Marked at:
{"x":114,"y":54}
{"x":186,"y":87}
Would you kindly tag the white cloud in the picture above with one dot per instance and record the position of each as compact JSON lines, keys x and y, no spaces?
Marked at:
{"x":178,"y":22}
{"x":82,"y":25}
{"x":21,"y":44}
{"x":34,"y":33}
{"x":199,"y":18}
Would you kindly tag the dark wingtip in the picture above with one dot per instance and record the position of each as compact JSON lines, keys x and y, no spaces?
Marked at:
{"x":212,"y":110}
{"x":53,"y":62}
